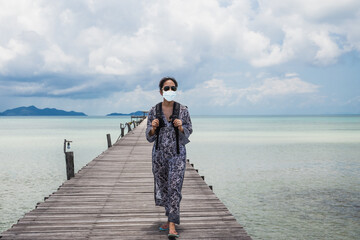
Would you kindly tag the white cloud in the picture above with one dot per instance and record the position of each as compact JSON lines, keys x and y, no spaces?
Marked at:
{"x":143,"y":52}
{"x":274,"y":55}
{"x":124,"y":102}
{"x":288,"y":75}
{"x":320,"y":9}
{"x":13,"y":49}
{"x":216,"y":93}
{"x":159,"y":36}
{"x":5,"y":55}
{"x":8,"y":88}
{"x":307,"y":30}
{"x":213,"y":92}
{"x":275,"y":87}
{"x":71,"y":90}
{"x":93,"y":37}
{"x":58,"y":61}
{"x":328,"y":50}
{"x":130,"y":43}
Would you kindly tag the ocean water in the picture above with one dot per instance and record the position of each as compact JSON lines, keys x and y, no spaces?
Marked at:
{"x":282,"y":177}
{"x":32,"y":156}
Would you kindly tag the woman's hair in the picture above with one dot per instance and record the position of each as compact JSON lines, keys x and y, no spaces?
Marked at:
{"x":164,"y":79}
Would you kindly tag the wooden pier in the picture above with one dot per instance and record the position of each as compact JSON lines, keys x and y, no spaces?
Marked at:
{"x":112,"y":198}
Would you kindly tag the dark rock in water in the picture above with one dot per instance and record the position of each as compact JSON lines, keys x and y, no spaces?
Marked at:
{"x":137,"y":113}
{"x":117,"y":114}
{"x":34,"y":111}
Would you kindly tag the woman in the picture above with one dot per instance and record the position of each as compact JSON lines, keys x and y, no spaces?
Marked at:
{"x":169,"y":124}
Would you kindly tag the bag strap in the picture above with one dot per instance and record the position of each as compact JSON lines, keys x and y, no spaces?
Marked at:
{"x":176,"y":111}
{"x":175,"y":115}
{"x":158,"y":110}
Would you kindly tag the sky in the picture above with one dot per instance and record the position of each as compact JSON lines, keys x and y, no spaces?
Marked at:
{"x":246,"y":57}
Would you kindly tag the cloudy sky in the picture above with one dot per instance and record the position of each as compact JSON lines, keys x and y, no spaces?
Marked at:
{"x":230,"y":57}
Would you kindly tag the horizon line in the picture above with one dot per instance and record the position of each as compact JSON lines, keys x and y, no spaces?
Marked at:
{"x":207,"y":115}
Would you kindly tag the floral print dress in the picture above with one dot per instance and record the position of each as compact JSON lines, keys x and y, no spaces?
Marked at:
{"x":169,"y":167}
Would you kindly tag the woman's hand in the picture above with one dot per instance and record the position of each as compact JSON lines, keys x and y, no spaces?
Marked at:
{"x":155,"y":124}
{"x":178,"y":124}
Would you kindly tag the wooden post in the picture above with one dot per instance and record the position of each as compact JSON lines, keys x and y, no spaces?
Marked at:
{"x":122,"y":131}
{"x":108,"y":140}
{"x":203,"y":177}
{"x":122,"y":127}
{"x":129,"y":128}
{"x":69,"y":158}
{"x":134,"y":123}
{"x":211,"y":187}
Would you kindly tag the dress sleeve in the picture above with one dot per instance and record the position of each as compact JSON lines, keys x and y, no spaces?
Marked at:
{"x":187,"y":126}
{"x":151,"y":117}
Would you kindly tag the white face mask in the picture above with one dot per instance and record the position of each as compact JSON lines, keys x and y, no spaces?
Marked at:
{"x":169,"y":95}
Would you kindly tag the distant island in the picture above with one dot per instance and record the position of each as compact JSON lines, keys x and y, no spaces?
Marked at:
{"x":34,"y":111}
{"x":137,"y":113}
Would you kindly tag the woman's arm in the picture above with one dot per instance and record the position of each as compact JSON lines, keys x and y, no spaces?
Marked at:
{"x":186,"y":126}
{"x":150,"y":132}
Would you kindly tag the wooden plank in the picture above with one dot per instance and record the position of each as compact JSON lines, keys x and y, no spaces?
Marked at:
{"x":112,"y":198}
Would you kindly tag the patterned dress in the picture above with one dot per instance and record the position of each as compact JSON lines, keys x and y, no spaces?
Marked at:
{"x":169,"y":167}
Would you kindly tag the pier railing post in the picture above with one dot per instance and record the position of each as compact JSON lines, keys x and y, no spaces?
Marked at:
{"x":108,"y":140}
{"x":122,"y":127}
{"x":69,"y":160}
{"x":129,"y":127}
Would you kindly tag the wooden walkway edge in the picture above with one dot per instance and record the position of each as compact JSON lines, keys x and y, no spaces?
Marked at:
{"x":112,"y":198}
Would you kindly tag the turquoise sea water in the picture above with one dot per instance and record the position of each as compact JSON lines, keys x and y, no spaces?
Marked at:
{"x":283,"y":177}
